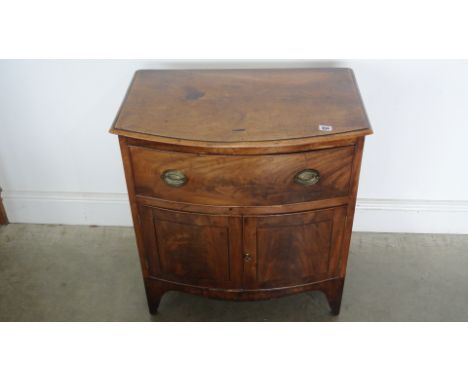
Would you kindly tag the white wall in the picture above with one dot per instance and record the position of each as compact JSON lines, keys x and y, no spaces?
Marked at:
{"x":59,"y":164}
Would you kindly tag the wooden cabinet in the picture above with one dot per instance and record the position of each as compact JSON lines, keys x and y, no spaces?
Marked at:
{"x":242,"y":183}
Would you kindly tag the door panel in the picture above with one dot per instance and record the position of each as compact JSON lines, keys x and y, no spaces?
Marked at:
{"x":198,"y":249}
{"x":292,"y":249}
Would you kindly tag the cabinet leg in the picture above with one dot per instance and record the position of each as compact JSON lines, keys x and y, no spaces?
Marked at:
{"x":154,"y":293}
{"x":153,"y":304}
{"x":334,"y":292}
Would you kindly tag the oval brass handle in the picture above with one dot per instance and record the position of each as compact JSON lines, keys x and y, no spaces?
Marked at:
{"x":247,"y":257}
{"x":174,"y":178}
{"x":307,"y":177}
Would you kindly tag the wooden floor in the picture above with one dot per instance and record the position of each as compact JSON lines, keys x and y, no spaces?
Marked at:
{"x":80,"y":273}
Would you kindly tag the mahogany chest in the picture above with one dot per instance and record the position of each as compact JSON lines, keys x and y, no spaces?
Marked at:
{"x":242,"y":183}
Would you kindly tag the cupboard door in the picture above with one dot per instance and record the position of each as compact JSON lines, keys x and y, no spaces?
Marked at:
{"x":292,"y":249}
{"x":196,"y":249}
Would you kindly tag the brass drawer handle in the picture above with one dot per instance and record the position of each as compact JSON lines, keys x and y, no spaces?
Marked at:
{"x":247,"y":257}
{"x":174,"y":178}
{"x":307,"y":177}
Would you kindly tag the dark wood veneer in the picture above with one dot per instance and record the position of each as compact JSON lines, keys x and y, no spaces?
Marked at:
{"x":239,"y":226}
{"x":242,"y":180}
{"x":291,"y":249}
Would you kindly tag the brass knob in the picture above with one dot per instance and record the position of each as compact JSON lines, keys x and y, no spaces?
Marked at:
{"x":247,"y":257}
{"x":307,"y":177}
{"x":174,"y":178}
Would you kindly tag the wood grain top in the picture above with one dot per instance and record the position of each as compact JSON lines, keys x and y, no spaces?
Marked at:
{"x":241,"y":106}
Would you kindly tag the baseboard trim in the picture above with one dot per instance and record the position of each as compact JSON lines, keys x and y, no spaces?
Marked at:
{"x":112,"y":209}
{"x":109,"y":209}
{"x":414,"y":216}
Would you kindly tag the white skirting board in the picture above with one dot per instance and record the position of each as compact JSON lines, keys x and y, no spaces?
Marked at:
{"x":68,"y":208}
{"x":112,"y":209}
{"x":414,"y":216}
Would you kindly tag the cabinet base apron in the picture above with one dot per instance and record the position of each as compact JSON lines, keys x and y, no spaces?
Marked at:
{"x":156,"y":288}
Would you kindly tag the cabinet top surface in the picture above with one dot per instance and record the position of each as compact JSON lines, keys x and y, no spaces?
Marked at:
{"x":242,"y":105}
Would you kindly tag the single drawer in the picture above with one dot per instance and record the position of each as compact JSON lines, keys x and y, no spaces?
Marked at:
{"x":250,"y":180}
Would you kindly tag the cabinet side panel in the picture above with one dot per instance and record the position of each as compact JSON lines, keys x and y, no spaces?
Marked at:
{"x":126,"y":158}
{"x":351,"y":206}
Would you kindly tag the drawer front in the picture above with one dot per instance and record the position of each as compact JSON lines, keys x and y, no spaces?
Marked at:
{"x":253,"y":180}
